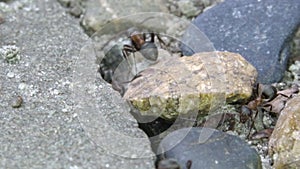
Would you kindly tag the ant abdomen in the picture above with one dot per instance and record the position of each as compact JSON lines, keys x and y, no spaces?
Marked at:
{"x":149,"y":51}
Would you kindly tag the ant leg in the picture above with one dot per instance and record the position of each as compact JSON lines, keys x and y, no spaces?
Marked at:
{"x":144,"y":37}
{"x":160,"y":40}
{"x":134,"y":64}
{"x":152,"y":37}
{"x":259,"y":120}
{"x":125,"y":51}
{"x":188,"y":164}
{"x":252,"y":124}
{"x":257,"y":113}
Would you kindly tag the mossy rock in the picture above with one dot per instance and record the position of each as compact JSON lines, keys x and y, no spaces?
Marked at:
{"x":191,"y":84}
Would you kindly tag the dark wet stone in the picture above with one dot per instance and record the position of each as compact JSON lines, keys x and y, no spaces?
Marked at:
{"x":219,"y":151}
{"x":260,"y":30}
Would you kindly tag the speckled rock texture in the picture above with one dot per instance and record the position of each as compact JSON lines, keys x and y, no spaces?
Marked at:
{"x":55,"y":124}
{"x":260,"y":30}
{"x":284,"y":143}
{"x":188,"y":84}
{"x":99,"y":13}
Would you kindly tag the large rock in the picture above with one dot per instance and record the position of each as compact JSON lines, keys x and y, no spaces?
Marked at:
{"x":55,"y":127}
{"x":209,"y":148}
{"x":188,"y":84}
{"x":284,"y":143}
{"x":260,"y":30}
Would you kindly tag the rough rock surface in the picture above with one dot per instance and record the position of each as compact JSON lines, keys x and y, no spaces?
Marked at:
{"x":100,"y":12}
{"x":209,"y":148}
{"x":50,"y":128}
{"x":284,"y":143}
{"x":190,"y":9}
{"x":188,"y":84}
{"x":260,"y":30}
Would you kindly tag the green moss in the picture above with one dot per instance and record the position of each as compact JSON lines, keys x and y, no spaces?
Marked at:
{"x":142,"y":104}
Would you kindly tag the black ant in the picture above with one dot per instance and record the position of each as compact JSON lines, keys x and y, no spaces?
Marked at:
{"x":139,"y":43}
{"x":263,"y":95}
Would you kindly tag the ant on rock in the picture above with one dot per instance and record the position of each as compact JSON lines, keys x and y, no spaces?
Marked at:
{"x":139,"y":43}
{"x":123,"y":63}
{"x":262,"y":94}
{"x":144,"y":43}
{"x":266,"y":98}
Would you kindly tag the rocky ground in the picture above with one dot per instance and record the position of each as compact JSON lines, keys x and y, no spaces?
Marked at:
{"x":40,"y":47}
{"x":55,"y":109}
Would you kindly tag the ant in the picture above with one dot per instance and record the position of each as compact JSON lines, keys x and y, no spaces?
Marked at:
{"x":263,"y":96}
{"x":119,"y":73}
{"x":139,"y":43}
{"x":147,"y":48}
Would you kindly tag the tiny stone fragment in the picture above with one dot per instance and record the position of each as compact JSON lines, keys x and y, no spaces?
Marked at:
{"x":10,"y":53}
{"x":17,"y":103}
{"x":76,"y":11}
{"x":188,"y":8}
{"x":10,"y":74}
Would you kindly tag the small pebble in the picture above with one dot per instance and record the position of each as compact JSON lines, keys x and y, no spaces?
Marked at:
{"x":22,"y":86}
{"x":10,"y":74}
{"x":10,"y":53}
{"x":56,"y":92}
{"x":17,"y":102}
{"x":76,"y":11}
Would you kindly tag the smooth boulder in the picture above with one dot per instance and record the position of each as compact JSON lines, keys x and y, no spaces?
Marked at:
{"x":260,"y":30}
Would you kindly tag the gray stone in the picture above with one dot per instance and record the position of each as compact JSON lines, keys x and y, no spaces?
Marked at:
{"x":98,"y":13}
{"x":190,"y":8}
{"x":53,"y":128}
{"x":187,"y":8}
{"x":209,"y":148}
{"x":75,"y":6}
{"x":260,"y":30}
